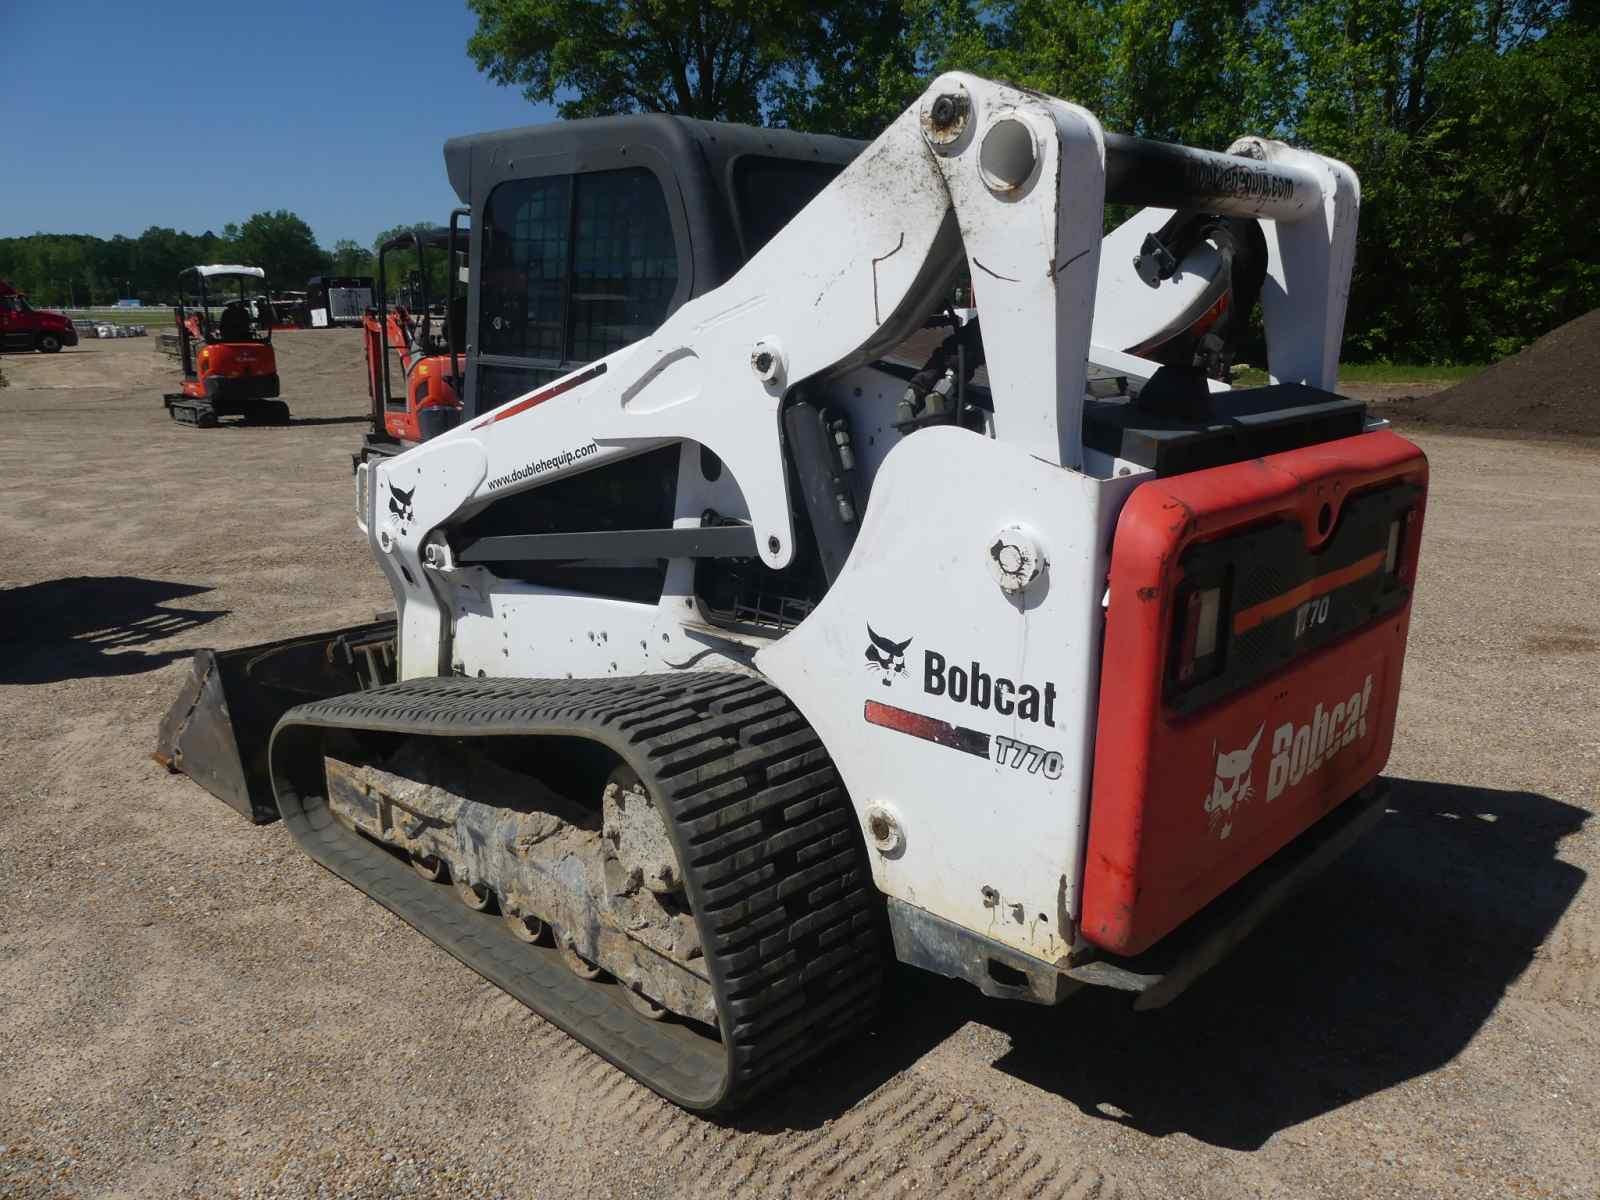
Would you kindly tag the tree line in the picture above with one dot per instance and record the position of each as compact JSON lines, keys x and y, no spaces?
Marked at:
{"x":79,"y":270}
{"x":1474,"y":125}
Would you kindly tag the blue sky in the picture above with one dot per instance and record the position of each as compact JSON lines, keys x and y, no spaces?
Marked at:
{"x":115,"y":117}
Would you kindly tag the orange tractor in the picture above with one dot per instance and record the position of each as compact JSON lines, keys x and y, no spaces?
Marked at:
{"x":425,"y":335}
{"x":224,"y":341}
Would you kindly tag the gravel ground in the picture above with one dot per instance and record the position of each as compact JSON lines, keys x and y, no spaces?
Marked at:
{"x":191,"y":1007}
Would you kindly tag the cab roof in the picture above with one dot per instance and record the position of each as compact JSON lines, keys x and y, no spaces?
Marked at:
{"x":563,"y":146}
{"x":228,"y":269}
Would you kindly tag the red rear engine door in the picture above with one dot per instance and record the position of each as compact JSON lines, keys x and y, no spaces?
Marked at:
{"x":1253,"y":650}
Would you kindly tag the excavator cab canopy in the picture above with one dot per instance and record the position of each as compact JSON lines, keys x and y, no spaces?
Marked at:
{"x":430,"y":306}
{"x":232,"y":302}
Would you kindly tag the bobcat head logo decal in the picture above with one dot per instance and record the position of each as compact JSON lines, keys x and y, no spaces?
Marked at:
{"x":1232,"y":788}
{"x":400,"y":502}
{"x":886,"y":657}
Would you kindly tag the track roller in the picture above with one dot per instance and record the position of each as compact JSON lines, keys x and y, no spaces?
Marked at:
{"x":525,"y":928}
{"x":474,"y":895}
{"x":430,"y":866}
{"x":577,"y":963}
{"x":646,"y":1007}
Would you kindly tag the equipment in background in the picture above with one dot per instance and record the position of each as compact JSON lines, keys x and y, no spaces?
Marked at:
{"x":23,"y":327}
{"x":290,"y":311}
{"x":423,"y":335}
{"x":740,"y":648}
{"x":334,"y":300}
{"x":224,"y":321}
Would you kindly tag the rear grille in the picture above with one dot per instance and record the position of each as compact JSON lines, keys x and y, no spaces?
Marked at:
{"x":1281,"y":600}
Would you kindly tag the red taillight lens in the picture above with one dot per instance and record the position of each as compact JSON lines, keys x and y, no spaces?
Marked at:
{"x":1199,"y":617}
{"x":1394,"y":555}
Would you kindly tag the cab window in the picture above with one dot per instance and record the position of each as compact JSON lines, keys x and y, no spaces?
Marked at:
{"x":770,"y":192}
{"x":574,"y":266}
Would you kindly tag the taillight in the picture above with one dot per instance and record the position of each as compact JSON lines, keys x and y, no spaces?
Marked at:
{"x":1394,"y":554}
{"x":1199,"y":618}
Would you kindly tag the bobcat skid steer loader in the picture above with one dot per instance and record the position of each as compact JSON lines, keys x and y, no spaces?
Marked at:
{"x":733,"y":658}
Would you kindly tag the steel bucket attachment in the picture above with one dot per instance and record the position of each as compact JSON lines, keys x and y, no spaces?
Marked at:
{"x":218,"y":729}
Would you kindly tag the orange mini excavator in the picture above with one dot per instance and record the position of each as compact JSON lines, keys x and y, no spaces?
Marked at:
{"x":425,"y":334}
{"x":224,"y":320}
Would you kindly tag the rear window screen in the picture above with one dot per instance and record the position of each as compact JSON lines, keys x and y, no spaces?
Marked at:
{"x":575,"y":267}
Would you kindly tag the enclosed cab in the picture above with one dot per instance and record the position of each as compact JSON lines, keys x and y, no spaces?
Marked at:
{"x":23,"y":327}
{"x":587,"y":235}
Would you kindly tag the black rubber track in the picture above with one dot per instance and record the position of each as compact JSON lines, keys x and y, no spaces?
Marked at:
{"x":774,"y":862}
{"x":195,"y":412}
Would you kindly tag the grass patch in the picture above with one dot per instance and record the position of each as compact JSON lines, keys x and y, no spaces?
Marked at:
{"x":1377,"y":374}
{"x":148,"y":317}
{"x":1407,"y":372}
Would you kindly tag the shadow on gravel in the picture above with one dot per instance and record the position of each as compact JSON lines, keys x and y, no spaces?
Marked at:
{"x":1383,"y":969}
{"x":239,"y":423}
{"x":306,"y":422}
{"x":91,"y":627}
{"x":362,"y":420}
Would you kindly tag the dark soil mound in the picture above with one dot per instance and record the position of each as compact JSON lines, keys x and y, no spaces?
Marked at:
{"x":1551,"y":387}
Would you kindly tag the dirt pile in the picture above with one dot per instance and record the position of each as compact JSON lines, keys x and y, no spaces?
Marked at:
{"x":1552,"y":387}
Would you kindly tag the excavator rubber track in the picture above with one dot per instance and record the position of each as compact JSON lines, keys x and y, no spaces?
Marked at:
{"x":187,"y":410}
{"x":201,"y":413}
{"x":773,"y":858}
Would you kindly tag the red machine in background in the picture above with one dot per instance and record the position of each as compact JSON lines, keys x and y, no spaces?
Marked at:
{"x":23,"y":327}
{"x":425,"y":336}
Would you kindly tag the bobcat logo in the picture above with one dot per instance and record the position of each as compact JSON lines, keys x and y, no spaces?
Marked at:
{"x":1232,"y":788}
{"x":886,"y":657}
{"x":400,"y":502}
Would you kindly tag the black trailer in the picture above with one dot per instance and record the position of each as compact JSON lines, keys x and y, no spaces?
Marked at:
{"x":334,"y":300}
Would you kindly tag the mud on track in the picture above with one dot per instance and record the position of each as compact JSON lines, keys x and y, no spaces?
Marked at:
{"x":191,"y":1007}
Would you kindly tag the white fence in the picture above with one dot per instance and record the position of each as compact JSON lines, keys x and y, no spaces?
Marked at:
{"x":154,"y":314}
{"x":96,"y":322}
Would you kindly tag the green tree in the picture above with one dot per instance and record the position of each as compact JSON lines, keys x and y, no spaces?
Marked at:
{"x":718,"y":59}
{"x":351,"y":258}
{"x":63,"y":269}
{"x":282,"y":245}
{"x":423,"y":227}
{"x":1472,"y":128}
{"x":859,"y":65}
{"x":158,"y":255}
{"x":401,"y":263}
{"x":1473,"y":124}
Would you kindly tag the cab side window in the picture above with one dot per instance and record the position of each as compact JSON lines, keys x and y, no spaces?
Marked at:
{"x":574,"y":268}
{"x":770,"y":192}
